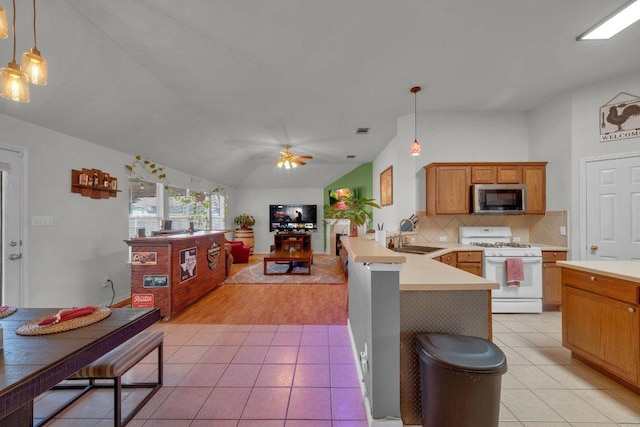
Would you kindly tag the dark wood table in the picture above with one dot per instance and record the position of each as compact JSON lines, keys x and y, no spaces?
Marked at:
{"x":31,"y":365}
{"x":284,"y":256}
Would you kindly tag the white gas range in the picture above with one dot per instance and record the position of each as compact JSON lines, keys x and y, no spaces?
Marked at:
{"x":496,"y":241}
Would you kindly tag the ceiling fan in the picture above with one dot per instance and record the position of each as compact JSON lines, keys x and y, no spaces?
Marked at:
{"x":289,"y":160}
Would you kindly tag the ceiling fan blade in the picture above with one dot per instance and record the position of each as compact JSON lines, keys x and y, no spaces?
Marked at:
{"x":298,"y":161}
{"x":305,"y":157}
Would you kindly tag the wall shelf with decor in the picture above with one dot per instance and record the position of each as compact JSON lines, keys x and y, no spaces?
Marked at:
{"x":94,"y":183}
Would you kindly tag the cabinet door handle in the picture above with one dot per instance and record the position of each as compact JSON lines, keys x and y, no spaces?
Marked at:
{"x":592,"y":278}
{"x":631,"y":310}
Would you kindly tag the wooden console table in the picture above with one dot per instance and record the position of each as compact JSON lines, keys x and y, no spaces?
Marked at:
{"x":178,"y":268}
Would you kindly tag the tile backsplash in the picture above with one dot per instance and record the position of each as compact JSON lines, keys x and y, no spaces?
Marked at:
{"x":540,"y":229}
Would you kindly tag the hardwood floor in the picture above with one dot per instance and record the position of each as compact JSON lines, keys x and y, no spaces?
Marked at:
{"x":269,"y":304}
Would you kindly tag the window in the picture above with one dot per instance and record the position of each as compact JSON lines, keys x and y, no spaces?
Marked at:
{"x":217,"y":211}
{"x":184,"y":207}
{"x":144,"y":206}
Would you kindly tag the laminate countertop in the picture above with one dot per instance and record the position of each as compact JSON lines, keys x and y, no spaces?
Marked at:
{"x":625,"y":270}
{"x":420,"y":272}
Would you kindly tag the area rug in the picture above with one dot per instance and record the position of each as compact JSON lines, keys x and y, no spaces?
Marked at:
{"x":325,"y":270}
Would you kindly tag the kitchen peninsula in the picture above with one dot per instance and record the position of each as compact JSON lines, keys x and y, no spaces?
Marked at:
{"x":173,"y":271}
{"x":394,"y":296}
{"x":601,"y":317}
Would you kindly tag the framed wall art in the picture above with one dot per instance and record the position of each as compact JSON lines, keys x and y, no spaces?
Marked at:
{"x":386,"y":187}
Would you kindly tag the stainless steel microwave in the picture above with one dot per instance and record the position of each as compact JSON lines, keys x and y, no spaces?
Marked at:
{"x":499,"y":198}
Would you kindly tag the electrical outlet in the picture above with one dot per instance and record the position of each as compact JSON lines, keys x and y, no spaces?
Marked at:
{"x":516,"y":239}
{"x":443,"y":238}
{"x":563,"y":230}
{"x":105,"y":281}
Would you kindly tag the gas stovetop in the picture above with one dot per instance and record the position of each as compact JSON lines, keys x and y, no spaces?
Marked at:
{"x":496,"y":242}
{"x":500,"y":245}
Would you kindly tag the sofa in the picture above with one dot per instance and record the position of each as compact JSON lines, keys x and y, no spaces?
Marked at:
{"x":239,"y":250}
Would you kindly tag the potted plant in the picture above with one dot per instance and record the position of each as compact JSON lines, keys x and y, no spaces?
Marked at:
{"x":358,"y":211}
{"x":244,"y":221}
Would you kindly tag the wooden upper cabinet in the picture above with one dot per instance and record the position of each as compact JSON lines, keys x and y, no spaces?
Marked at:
{"x":535,"y":177}
{"x":448,"y":184}
{"x":508,"y":174}
{"x":448,"y":189}
{"x":503,"y":174}
{"x":483,"y":174}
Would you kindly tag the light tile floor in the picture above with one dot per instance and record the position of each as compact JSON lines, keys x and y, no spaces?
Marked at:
{"x":305,"y":376}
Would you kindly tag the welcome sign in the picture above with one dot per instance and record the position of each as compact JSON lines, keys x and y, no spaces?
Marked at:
{"x":620,"y":120}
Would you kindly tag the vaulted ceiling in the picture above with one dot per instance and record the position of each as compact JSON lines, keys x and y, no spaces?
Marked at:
{"x":217,"y":88}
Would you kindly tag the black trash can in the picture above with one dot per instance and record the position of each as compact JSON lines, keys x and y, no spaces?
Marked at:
{"x":460,"y":380}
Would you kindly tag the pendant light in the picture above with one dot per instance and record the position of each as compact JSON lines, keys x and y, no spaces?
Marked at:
{"x":4,"y":27}
{"x":33,"y":63}
{"x":415,"y":146}
{"x":15,"y":82}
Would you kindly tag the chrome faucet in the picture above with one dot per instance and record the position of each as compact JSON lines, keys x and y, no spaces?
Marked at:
{"x":400,"y":229}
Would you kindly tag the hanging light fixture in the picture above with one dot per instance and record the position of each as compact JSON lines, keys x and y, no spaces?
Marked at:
{"x":33,"y":63}
{"x":15,"y":82}
{"x":415,"y":146}
{"x":4,"y":27}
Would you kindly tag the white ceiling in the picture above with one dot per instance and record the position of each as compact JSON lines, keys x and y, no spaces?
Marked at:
{"x":213,"y":87}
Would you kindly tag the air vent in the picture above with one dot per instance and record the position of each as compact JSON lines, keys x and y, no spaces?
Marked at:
{"x":351,"y":156}
{"x":362,"y":131}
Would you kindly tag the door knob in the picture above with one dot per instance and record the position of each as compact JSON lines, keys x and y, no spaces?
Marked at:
{"x":594,"y":247}
{"x":14,"y":257}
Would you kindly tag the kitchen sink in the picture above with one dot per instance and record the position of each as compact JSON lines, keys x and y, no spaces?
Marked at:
{"x":414,"y":249}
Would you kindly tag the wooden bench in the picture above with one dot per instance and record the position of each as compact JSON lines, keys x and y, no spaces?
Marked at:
{"x":112,"y":366}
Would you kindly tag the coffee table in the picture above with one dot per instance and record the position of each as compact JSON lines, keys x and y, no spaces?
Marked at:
{"x":284,"y":256}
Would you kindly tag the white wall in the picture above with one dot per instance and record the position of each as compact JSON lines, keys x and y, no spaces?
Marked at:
{"x":550,"y":141}
{"x":585,"y":138}
{"x":68,"y":261}
{"x":256,"y":201}
{"x":445,"y":137}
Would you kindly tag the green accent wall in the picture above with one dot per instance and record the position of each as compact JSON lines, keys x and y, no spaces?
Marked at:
{"x":361,"y":177}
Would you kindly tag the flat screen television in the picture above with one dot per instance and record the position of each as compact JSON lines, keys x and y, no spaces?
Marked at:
{"x":293,"y":218}
{"x":337,"y":194}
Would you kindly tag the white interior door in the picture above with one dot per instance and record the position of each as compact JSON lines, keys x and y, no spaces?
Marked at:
{"x":613,"y":209}
{"x":12,"y":250}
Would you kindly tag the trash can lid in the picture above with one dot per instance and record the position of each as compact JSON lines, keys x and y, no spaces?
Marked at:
{"x":462,"y":353}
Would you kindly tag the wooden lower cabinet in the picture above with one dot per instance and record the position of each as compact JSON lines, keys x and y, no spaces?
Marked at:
{"x":470,"y":261}
{"x":552,"y":278}
{"x":603,"y":329}
{"x":449,"y":259}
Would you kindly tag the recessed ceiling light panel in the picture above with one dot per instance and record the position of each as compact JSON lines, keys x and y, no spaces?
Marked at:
{"x":622,"y":18}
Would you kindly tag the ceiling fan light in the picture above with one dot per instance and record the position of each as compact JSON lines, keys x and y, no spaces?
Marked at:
{"x":35,"y":66}
{"x":294,"y":165}
{"x":4,"y":26}
{"x":287,"y":165}
{"x":15,"y":83}
{"x":416,"y":148}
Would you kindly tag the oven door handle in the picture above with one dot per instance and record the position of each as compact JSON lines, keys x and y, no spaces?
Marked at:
{"x":525,"y":260}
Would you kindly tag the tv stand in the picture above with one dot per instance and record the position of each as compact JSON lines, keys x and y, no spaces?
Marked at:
{"x":297,"y":240}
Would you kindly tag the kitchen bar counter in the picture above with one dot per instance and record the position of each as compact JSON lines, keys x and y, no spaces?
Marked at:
{"x":395,"y":296}
{"x":420,"y":272}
